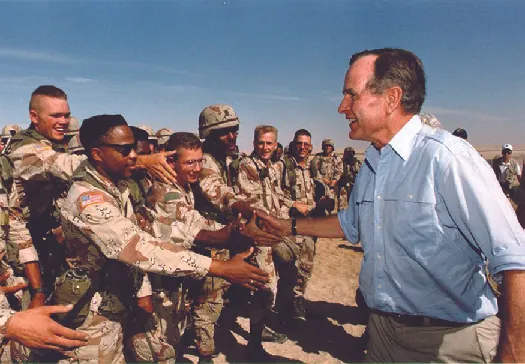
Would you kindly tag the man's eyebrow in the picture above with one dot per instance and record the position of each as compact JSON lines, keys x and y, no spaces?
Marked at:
{"x":349,"y":91}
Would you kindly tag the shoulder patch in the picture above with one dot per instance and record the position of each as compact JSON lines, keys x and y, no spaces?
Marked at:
{"x":41,"y":147}
{"x":89,"y":198}
{"x":170,"y":196}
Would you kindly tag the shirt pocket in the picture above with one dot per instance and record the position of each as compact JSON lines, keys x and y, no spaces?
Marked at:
{"x":411,"y":222}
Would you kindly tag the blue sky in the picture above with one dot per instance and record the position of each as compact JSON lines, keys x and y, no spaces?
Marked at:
{"x":276,"y":62}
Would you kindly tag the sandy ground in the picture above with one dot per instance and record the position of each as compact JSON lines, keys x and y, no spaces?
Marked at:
{"x":330,"y":335}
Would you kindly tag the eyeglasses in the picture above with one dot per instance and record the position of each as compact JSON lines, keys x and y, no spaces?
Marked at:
{"x":303,"y":144}
{"x":192,"y":163}
{"x":124,"y":149}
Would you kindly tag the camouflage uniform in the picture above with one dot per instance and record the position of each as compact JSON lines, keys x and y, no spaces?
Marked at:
{"x":328,"y":167}
{"x":346,"y":183}
{"x":5,"y":314}
{"x":172,"y":205}
{"x":41,"y":173}
{"x":213,"y":199}
{"x":100,"y":229}
{"x":294,"y":278}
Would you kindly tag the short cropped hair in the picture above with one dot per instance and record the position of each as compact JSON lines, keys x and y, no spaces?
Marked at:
{"x":279,"y":145}
{"x":397,"y":67}
{"x":183,"y":140}
{"x":46,"y":90}
{"x":300,"y":132}
{"x":97,"y":128}
{"x":139,"y":134}
{"x":263,"y":129}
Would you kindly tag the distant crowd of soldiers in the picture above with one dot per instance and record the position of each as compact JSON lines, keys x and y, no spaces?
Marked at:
{"x":144,"y":233}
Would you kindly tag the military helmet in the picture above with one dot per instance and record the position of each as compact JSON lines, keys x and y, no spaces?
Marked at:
{"x":328,"y":142}
{"x":10,"y":130}
{"x":430,"y":120}
{"x":349,"y":149}
{"x":215,"y":117}
{"x":74,"y":144}
{"x":73,"y":127}
{"x":149,"y":130}
{"x":163,"y":135}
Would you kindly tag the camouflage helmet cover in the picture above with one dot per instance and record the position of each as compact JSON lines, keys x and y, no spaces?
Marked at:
{"x":74,"y":144}
{"x":349,"y":149}
{"x":163,"y":135}
{"x":328,"y":142}
{"x":430,"y":120}
{"x":10,"y":130}
{"x":215,"y":117}
{"x":73,"y":127}
{"x":149,"y":130}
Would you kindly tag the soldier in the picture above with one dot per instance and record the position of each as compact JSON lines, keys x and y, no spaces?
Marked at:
{"x":41,"y":173}
{"x":299,"y":196}
{"x":460,"y":133}
{"x":152,"y":138}
{"x":258,"y":180}
{"x":507,"y":169}
{"x":8,"y":132}
{"x":215,"y":197}
{"x":163,"y":135}
{"x":351,"y":167}
{"x":104,"y":244}
{"x":328,"y":167}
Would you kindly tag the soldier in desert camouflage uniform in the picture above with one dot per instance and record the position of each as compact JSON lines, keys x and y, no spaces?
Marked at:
{"x":299,"y":196}
{"x":8,"y":132}
{"x":101,"y":234}
{"x":328,"y":167}
{"x":215,"y":197}
{"x":258,"y":180}
{"x":351,"y":167}
{"x":152,"y":138}
{"x":163,"y":135}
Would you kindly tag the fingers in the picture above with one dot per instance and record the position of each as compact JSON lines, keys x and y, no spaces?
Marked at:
{"x":245,"y":254}
{"x":4,"y":277}
{"x":13,"y":289}
{"x":249,"y":286}
{"x":48,"y":310}
{"x":169,"y":154}
{"x":73,"y":337}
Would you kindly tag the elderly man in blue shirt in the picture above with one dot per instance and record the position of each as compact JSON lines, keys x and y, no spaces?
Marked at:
{"x":432,"y":221}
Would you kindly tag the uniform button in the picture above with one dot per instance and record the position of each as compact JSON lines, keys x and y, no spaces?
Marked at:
{"x":379,"y":256}
{"x":379,"y":197}
{"x":379,"y":285}
{"x":379,"y":226}
{"x":410,"y":196}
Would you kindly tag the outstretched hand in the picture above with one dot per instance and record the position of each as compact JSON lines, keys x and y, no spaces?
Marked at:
{"x":237,"y":271}
{"x":157,"y":166}
{"x":274,"y":226}
{"x":35,"y":329}
{"x":252,"y":231}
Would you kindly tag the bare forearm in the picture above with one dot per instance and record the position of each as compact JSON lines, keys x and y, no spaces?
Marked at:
{"x":212,"y":238}
{"x":512,"y":340}
{"x":243,"y":208}
{"x":322,"y":227}
{"x":32,"y":272}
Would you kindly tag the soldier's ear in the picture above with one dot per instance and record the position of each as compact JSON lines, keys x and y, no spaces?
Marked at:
{"x":96,"y":153}
{"x":33,"y":115}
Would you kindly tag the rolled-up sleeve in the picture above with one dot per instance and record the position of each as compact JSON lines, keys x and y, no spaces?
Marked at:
{"x":348,"y":219}
{"x":482,"y":213}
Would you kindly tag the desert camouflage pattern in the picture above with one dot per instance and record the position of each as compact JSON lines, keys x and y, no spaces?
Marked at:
{"x":216,"y":117}
{"x":430,"y":120}
{"x":346,"y":183}
{"x":73,"y":127}
{"x":328,"y":167}
{"x":303,"y":188}
{"x":163,"y":135}
{"x":174,"y":206}
{"x":9,"y":131}
{"x":96,"y":212}
{"x":5,"y":314}
{"x":41,"y":174}
{"x":148,"y":129}
{"x":75,"y":145}
{"x":215,"y":184}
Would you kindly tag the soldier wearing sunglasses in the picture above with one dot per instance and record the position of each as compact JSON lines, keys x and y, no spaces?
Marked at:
{"x":104,"y":241}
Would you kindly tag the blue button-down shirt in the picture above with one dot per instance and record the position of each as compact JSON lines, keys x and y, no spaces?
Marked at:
{"x":429,"y":213}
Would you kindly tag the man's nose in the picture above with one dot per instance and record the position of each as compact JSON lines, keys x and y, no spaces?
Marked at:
{"x":345,"y":104}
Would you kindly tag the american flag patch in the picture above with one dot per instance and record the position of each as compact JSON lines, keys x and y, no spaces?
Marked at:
{"x":90,"y":198}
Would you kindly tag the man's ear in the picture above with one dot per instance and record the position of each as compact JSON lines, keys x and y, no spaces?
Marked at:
{"x":393,"y":96}
{"x":96,"y":154}
{"x":33,"y":116}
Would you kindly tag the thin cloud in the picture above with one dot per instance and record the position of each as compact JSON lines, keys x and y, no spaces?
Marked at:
{"x":463,"y":113}
{"x":269,"y":96}
{"x":52,"y":57}
{"x":80,"y":80}
{"x":24,"y":80}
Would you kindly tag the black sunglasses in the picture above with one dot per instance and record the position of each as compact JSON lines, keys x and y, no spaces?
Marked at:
{"x":124,"y":149}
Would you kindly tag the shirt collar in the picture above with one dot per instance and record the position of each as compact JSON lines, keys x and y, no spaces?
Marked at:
{"x":403,"y":142}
